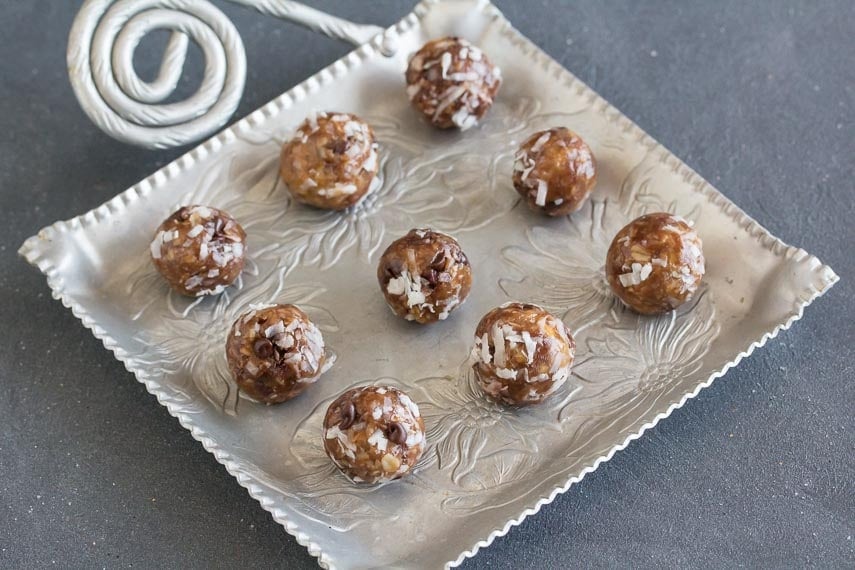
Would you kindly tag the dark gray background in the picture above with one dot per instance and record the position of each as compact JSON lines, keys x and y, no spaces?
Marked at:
{"x":756,"y":471}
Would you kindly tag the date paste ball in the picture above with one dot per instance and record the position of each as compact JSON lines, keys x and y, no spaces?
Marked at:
{"x":374,"y":434}
{"x":331,"y":161}
{"x":275,"y":352}
{"x":452,"y":83}
{"x":522,"y":354}
{"x":424,"y":276}
{"x":655,"y":263}
{"x":555,"y":171}
{"x":199,"y":250}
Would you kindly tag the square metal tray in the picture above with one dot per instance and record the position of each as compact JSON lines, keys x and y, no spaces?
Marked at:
{"x":486,"y":468}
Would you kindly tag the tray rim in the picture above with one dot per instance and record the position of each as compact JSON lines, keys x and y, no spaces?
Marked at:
{"x":35,"y":248}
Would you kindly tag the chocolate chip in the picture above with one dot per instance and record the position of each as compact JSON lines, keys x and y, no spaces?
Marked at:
{"x":431,"y":276}
{"x":348,"y":415}
{"x":263,"y":348}
{"x":438,"y":261}
{"x":338,"y":146}
{"x":394,"y":268}
{"x":397,"y":433}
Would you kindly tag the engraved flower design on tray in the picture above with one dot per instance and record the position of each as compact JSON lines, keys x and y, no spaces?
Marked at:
{"x":454,"y":186}
{"x":192,"y":332}
{"x":626,"y":368}
{"x":563,"y":266}
{"x":325,"y":494}
{"x":477,"y":445}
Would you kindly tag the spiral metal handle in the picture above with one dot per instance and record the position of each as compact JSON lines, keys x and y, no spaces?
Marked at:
{"x":105,"y":34}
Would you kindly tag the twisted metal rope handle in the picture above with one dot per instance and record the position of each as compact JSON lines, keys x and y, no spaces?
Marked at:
{"x":105,"y":34}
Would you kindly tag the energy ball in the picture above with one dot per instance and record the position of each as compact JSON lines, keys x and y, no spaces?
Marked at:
{"x":452,"y":83}
{"x":275,"y":352}
{"x":522,"y":354}
{"x":199,"y":250}
{"x":555,"y":171}
{"x":374,"y":434}
{"x":424,"y":276}
{"x":655,"y":263}
{"x":331,"y":161}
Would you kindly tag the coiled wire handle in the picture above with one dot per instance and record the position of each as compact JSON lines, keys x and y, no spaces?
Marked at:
{"x":105,"y":34}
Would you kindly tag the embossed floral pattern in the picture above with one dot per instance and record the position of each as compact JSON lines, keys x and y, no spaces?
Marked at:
{"x":470,"y":433}
{"x":324,"y":493}
{"x":629,"y":366}
{"x":192,"y":334}
{"x":477,"y":449}
{"x":453,"y":187}
{"x":563,"y":266}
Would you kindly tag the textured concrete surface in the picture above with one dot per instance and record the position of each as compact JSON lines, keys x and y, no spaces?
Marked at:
{"x":759,"y":97}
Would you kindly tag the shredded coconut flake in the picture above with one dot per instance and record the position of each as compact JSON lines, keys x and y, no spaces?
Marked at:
{"x":308,"y":183}
{"x":498,"y":345}
{"x":193,"y":282}
{"x":406,"y":285}
{"x":352,"y":128}
{"x":448,"y":97}
{"x":156,"y":245}
{"x":506,"y":373}
{"x":202,"y":211}
{"x":530,"y":346}
{"x":527,"y":170}
{"x":370,"y":164}
{"x":445,"y":63}
{"x":542,"y":140}
{"x":333,"y":432}
{"x":639,"y":273}
{"x":337,"y":190}
{"x":274,"y":329}
{"x":542,"y":189}
{"x":485,"y":349}
{"x":414,"y":409}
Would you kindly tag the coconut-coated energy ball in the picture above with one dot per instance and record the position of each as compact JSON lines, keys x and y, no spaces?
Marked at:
{"x":374,"y":434}
{"x":555,"y":171}
{"x":424,"y":276}
{"x":452,"y":82}
{"x":331,"y":161}
{"x":199,"y":250}
{"x":522,"y":354}
{"x":655,"y":263}
{"x":275,"y":352}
